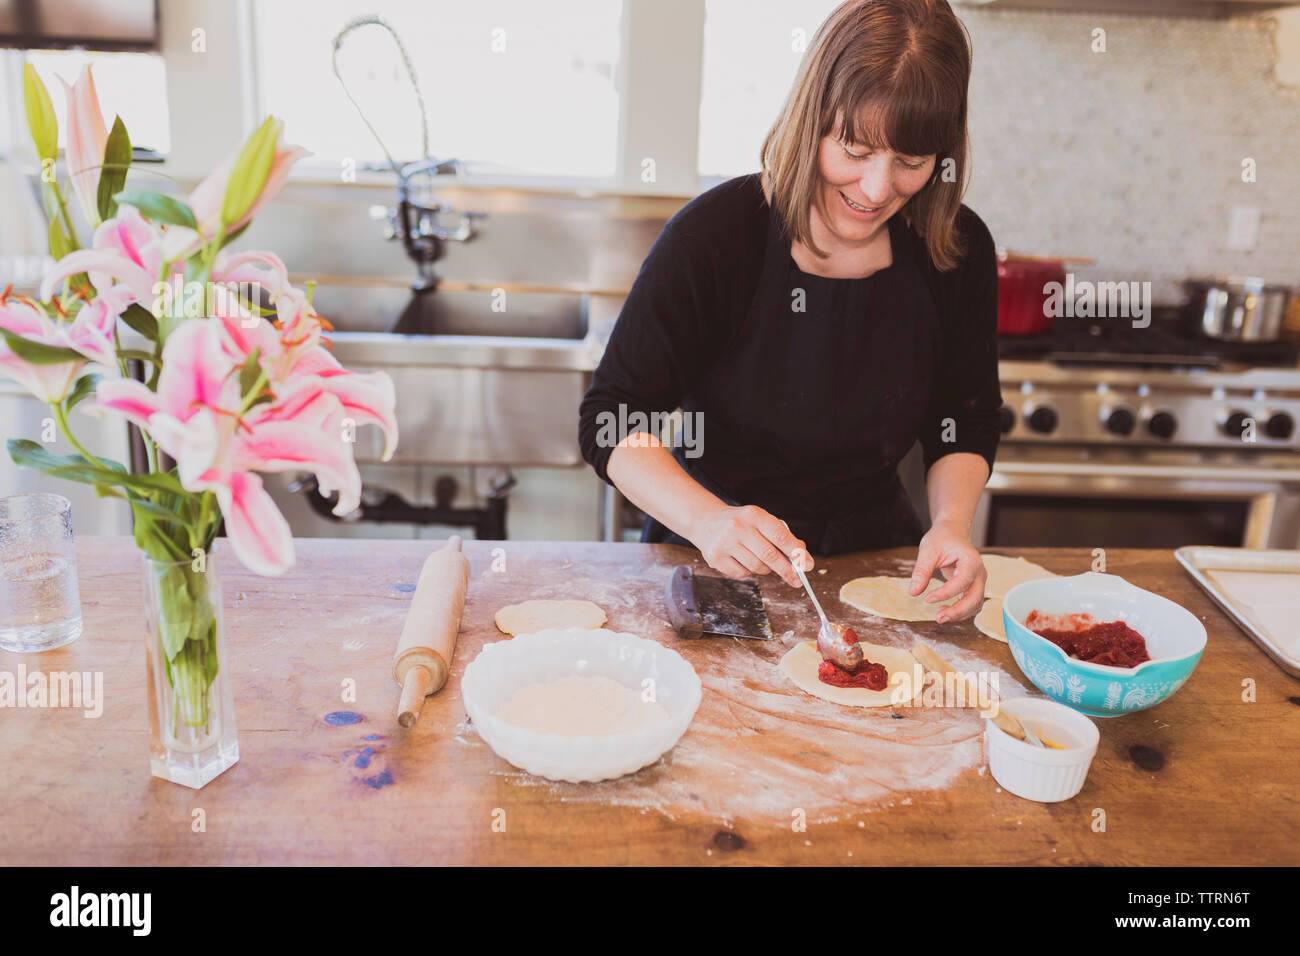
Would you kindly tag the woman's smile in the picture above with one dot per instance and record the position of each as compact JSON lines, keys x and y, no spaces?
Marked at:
{"x":862,"y":212}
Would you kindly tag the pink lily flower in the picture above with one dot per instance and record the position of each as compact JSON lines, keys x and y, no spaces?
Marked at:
{"x":87,"y":139}
{"x":265,"y":269}
{"x":90,"y":334}
{"x":128,"y":250}
{"x":293,"y":353}
{"x":194,"y":417}
{"x":125,"y":249}
{"x":206,"y":199}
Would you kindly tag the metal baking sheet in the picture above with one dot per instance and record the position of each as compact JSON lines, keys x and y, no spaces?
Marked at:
{"x":1201,"y":562}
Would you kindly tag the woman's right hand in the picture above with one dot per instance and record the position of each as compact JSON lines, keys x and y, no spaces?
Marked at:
{"x":743,"y":540}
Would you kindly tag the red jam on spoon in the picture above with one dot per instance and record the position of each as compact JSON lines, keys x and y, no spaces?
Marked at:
{"x":866,"y":675}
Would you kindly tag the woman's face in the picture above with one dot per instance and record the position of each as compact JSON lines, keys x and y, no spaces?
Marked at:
{"x":862,"y":187}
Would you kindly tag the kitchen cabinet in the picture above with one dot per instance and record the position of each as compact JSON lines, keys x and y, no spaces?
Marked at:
{"x":1195,"y":780}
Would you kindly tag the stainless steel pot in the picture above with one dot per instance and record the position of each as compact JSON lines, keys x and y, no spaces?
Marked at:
{"x":1236,"y":308}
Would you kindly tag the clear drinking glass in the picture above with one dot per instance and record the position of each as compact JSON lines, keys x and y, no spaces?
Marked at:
{"x":40,"y":606}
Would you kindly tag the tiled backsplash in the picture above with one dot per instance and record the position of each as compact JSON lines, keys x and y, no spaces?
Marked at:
{"x":1134,"y":156}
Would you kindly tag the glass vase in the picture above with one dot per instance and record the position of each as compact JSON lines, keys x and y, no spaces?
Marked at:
{"x":191,"y":702}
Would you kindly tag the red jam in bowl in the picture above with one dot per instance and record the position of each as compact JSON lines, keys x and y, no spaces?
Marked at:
{"x":1112,"y":643}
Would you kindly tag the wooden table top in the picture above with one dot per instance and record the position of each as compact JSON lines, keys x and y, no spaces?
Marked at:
{"x":765,"y":774}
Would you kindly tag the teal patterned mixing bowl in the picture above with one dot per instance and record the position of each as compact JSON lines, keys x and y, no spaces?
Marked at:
{"x":1175,"y":640}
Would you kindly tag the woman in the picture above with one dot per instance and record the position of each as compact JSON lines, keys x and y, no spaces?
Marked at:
{"x":819,"y":318}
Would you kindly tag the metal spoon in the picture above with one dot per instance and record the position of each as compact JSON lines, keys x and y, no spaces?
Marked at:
{"x":830,"y":637}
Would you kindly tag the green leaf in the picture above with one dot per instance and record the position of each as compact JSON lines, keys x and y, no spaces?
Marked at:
{"x":30,"y":454}
{"x":60,"y":244}
{"x":155,"y":510}
{"x":153,"y":481}
{"x":142,"y":320}
{"x":153,"y":539}
{"x":232,"y":236}
{"x":50,"y":196}
{"x":248,"y":176}
{"x":41,"y":121}
{"x":38,"y":353}
{"x":103,"y":491}
{"x":175,"y":610}
{"x":204,"y":614}
{"x":249,"y":372}
{"x":210,"y":655}
{"x":112,"y":177}
{"x":84,"y":388}
{"x":158,"y":206}
{"x":185,"y":612}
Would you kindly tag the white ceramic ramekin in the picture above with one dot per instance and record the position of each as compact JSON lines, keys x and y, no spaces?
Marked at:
{"x":1045,"y":775}
{"x":503,"y":667}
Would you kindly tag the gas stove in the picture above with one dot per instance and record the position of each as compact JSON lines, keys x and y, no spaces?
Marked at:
{"x":1115,"y":436}
{"x":1163,"y":344}
{"x":1106,"y":383}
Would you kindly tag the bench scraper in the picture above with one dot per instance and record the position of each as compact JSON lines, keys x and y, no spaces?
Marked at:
{"x":709,"y":606}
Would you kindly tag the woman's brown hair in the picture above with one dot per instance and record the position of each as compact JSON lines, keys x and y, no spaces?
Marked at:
{"x":886,"y":74}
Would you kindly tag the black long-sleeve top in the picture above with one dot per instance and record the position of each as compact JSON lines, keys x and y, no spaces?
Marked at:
{"x":810,"y":389}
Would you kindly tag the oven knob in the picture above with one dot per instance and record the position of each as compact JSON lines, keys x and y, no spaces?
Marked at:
{"x":1043,"y":419}
{"x":1234,"y":426}
{"x":1121,"y":421}
{"x":1280,"y":426}
{"x":1006,"y":418}
{"x":1162,"y":425}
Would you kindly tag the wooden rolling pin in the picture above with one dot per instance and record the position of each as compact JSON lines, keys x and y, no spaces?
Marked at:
{"x":428,"y":641}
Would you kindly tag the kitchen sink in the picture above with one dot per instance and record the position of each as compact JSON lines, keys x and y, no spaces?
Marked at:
{"x":475,"y":385}
{"x":552,"y":315}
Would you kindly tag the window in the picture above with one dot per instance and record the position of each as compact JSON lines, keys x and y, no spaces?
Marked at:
{"x":511,"y":87}
{"x":752,"y":49}
{"x":130,"y":85}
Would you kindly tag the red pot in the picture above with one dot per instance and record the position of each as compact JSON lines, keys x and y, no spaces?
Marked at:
{"x":1022,"y":301}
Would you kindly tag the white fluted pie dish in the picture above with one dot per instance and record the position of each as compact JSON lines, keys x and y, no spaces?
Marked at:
{"x":504,"y":667}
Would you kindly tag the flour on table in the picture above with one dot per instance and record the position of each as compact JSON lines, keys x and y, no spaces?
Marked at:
{"x":529,"y":617}
{"x":801,"y":662}
{"x":889,"y":597}
{"x":1005,"y":573}
{"x":757,"y":748}
{"x":581,"y":707}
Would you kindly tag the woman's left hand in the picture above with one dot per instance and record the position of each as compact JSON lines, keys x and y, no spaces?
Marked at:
{"x":947,"y":548}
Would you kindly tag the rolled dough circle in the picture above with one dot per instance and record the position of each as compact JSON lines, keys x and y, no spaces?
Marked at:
{"x":801,"y":661}
{"x":1005,"y":573}
{"x":528,"y":617}
{"x":888,"y":597}
{"x":989,"y":620}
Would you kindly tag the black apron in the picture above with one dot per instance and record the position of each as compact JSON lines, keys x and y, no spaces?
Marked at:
{"x":857,"y":448}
